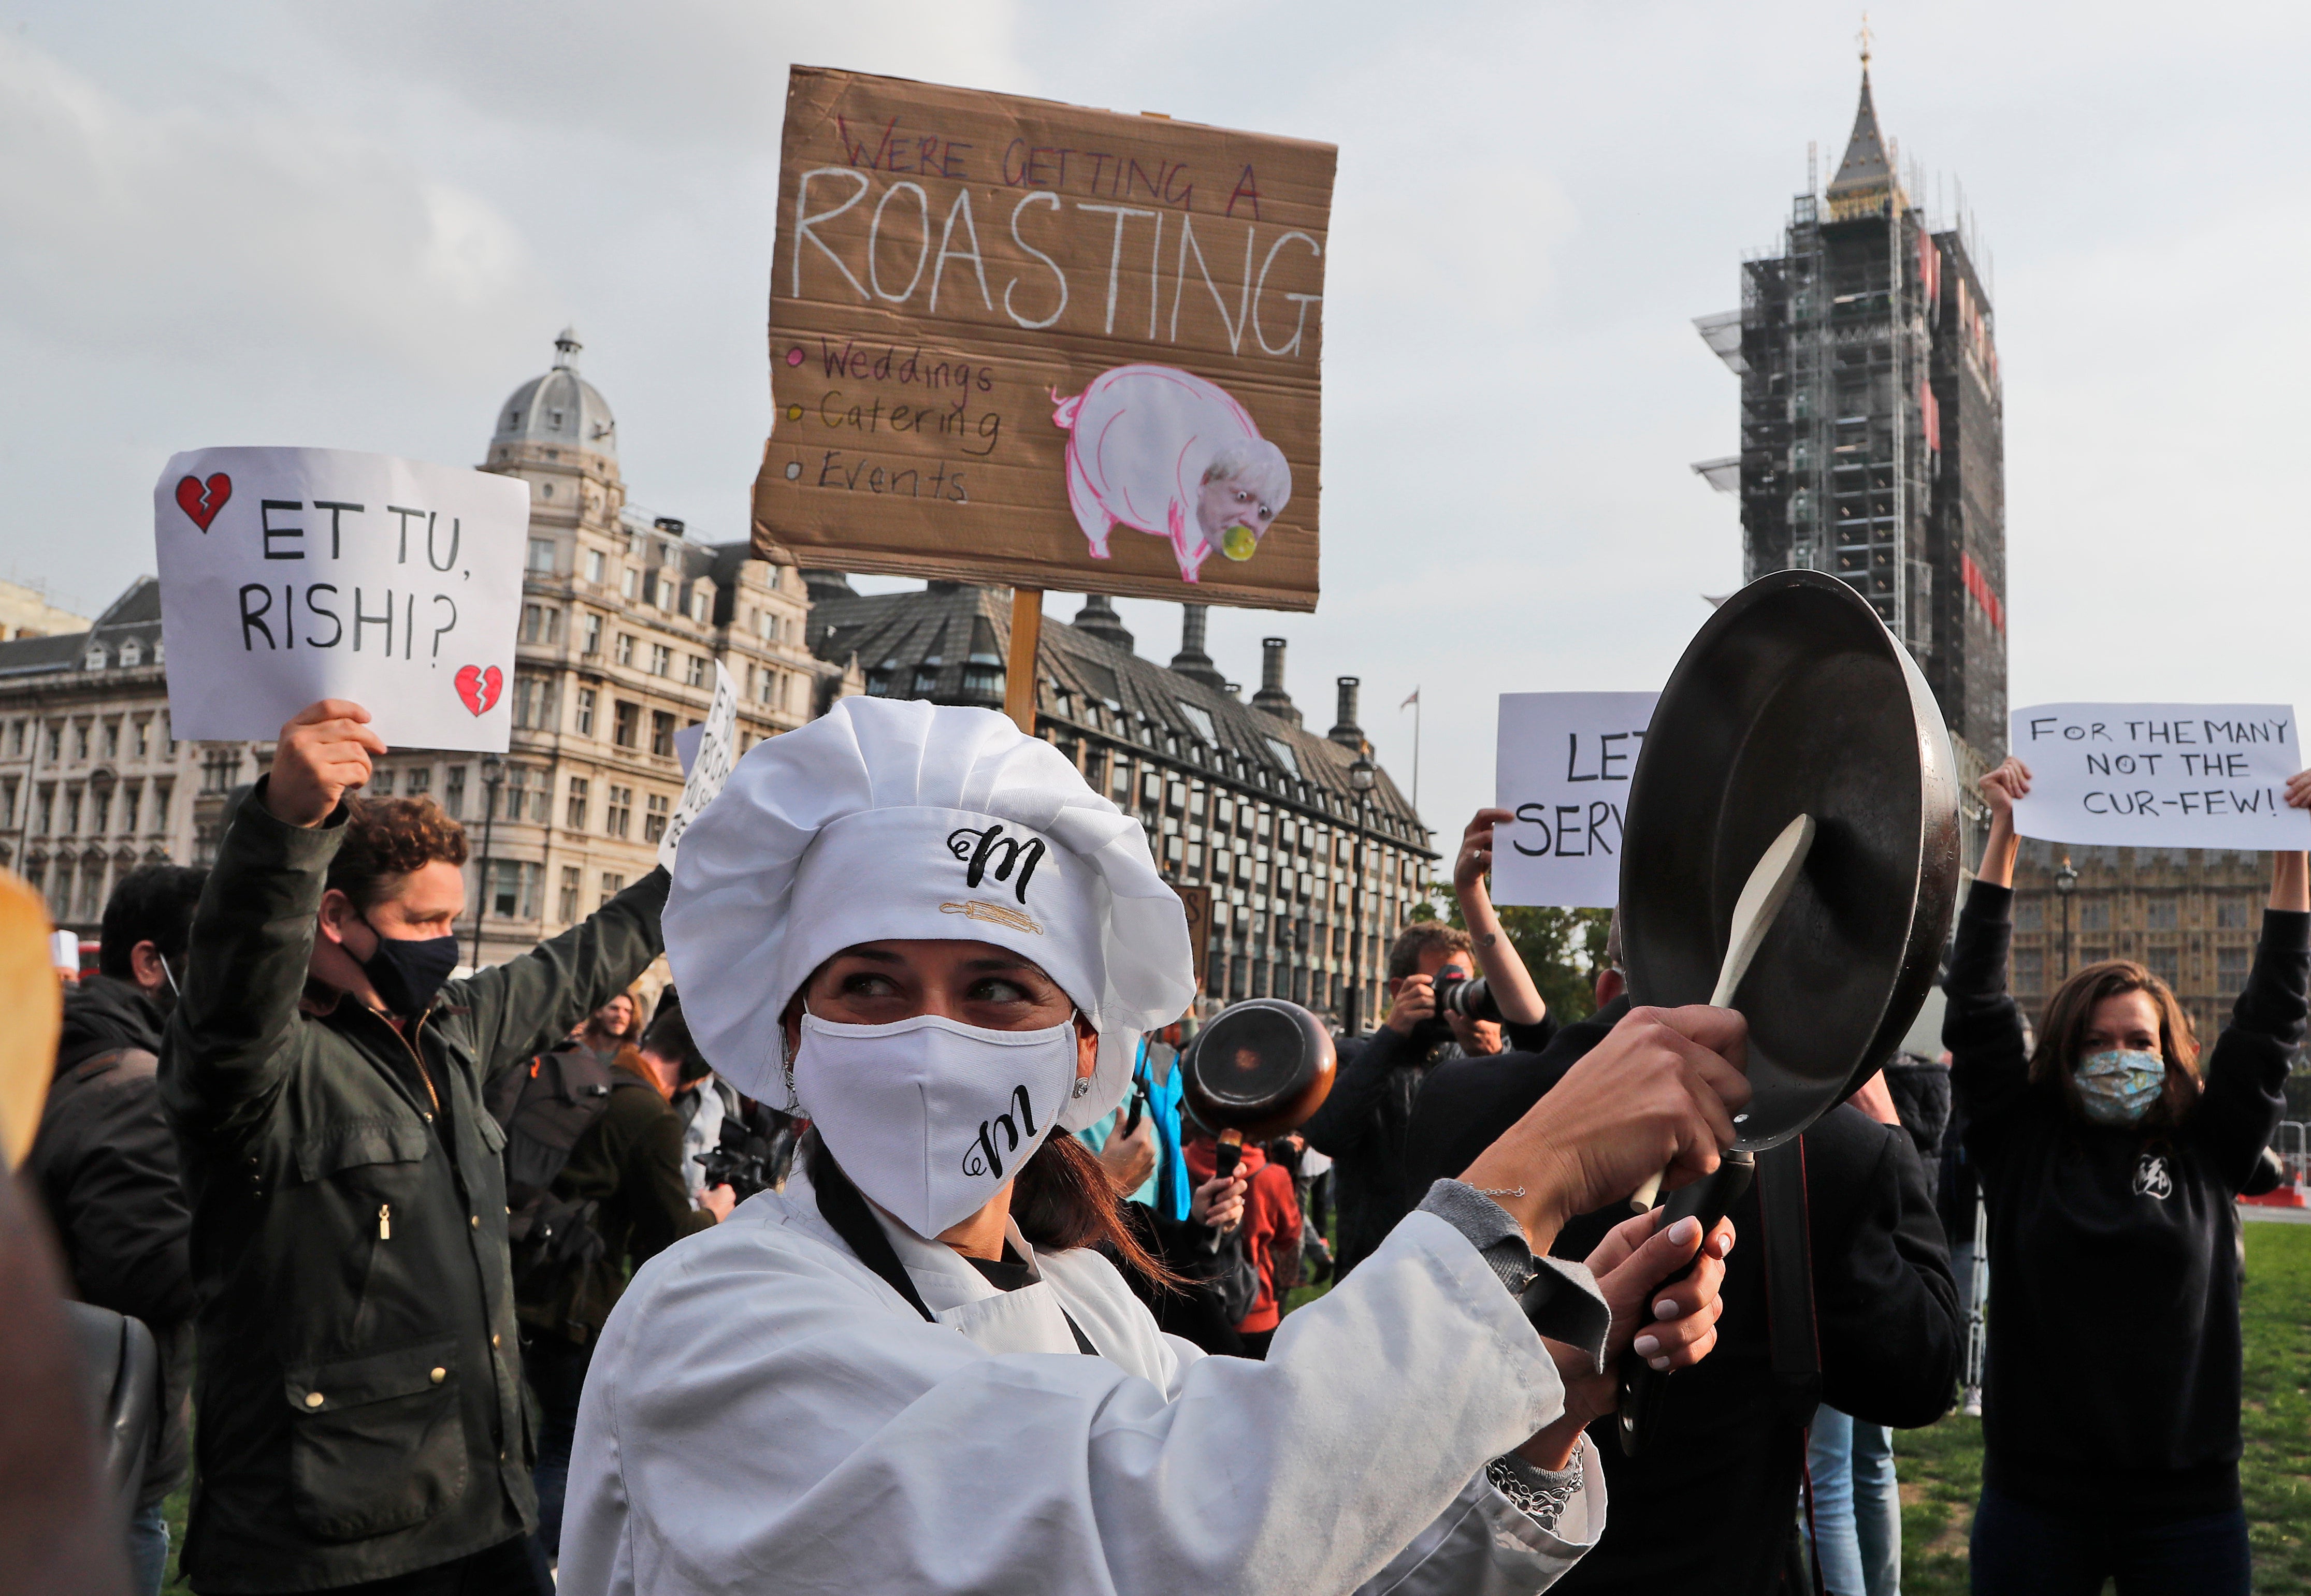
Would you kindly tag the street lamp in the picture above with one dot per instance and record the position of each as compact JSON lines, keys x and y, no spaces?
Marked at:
{"x":493,"y":772}
{"x":1361,"y":776}
{"x":2066,"y":882}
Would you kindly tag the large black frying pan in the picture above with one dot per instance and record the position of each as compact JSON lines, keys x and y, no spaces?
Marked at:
{"x":1792,"y":698}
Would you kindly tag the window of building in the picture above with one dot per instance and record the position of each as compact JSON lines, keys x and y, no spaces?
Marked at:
{"x":130,"y":795}
{"x":8,"y":788}
{"x":16,"y":740}
{"x":766,"y":626}
{"x":2029,"y":914}
{"x":112,"y":739}
{"x":586,"y":699}
{"x":662,"y":734}
{"x":926,"y":675}
{"x":515,"y":790}
{"x":574,"y":817}
{"x":533,"y":703}
{"x":2230,"y":970}
{"x":595,"y":565}
{"x":541,"y":622}
{"x":48,"y":811}
{"x":590,"y":635}
{"x":631,"y":585}
{"x":541,"y":549}
{"x":626,"y":725}
{"x":419,"y":781}
{"x":2158,"y":913}
{"x":162,"y":791}
{"x":654,"y":818}
{"x":617,"y":816}
{"x":380,"y":783}
{"x":661,"y":660}
{"x":569,"y":903}
{"x":56,"y":741}
{"x":513,"y":888}
{"x":99,"y":811}
{"x":702,"y":606}
{"x":143,"y":739}
{"x":612,"y":885}
{"x":453,"y":792}
{"x":2165,"y":964}
{"x":2231,"y":911}
{"x":80,"y":739}
{"x":696,"y":676}
{"x":626,"y":647}
{"x":2094,"y":914}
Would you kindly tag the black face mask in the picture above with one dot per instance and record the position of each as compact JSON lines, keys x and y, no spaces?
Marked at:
{"x":408,"y":972}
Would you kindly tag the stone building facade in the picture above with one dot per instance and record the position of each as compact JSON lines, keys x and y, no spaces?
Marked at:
{"x":92,"y":785}
{"x":624,"y":619}
{"x":2190,"y":915}
{"x":1238,"y":798}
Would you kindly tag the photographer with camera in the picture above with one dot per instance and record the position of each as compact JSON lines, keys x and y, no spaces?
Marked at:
{"x":594,"y":1188}
{"x":1439,"y":1008}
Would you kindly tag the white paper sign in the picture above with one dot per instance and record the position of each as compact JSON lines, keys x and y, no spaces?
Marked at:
{"x":1563,"y":769}
{"x":2160,"y":775}
{"x":708,"y":767}
{"x":289,"y":575}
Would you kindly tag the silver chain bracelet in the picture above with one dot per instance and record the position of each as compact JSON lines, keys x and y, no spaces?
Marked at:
{"x":1543,"y":1504}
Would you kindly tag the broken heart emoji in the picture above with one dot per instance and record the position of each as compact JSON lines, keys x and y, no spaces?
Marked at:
{"x":202,"y":503}
{"x":480,"y":688}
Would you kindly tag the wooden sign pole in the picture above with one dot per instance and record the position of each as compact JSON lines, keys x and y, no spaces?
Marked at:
{"x":1019,"y":671}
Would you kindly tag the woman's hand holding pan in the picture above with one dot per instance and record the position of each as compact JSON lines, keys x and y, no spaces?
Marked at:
{"x":1658,"y":1093}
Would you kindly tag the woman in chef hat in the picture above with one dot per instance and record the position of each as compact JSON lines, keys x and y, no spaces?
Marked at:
{"x":911,"y":1370}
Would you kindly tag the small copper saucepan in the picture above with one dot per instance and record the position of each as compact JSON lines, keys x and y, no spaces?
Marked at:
{"x":1256,"y":1072}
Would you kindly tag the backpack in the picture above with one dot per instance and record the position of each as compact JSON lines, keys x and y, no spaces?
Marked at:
{"x":544,"y":1110}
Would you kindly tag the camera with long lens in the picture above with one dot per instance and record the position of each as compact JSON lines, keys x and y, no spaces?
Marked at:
{"x":1465,"y":995}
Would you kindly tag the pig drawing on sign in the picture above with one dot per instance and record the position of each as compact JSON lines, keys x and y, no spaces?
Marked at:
{"x":1163,"y":452}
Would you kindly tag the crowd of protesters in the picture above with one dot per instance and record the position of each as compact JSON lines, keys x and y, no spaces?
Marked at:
{"x":376,"y":1215}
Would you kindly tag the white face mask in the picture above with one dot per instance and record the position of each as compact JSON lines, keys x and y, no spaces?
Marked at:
{"x":931,"y":1117}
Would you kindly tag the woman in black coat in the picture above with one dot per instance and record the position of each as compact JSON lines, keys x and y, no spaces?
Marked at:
{"x":2110,"y":1158}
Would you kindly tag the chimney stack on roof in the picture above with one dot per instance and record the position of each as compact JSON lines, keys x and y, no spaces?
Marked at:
{"x":1347,"y":733}
{"x":1191,"y":662}
{"x":1271,"y":696}
{"x":1099,"y":618}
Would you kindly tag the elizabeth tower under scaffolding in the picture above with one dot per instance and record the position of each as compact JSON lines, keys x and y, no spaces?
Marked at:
{"x":1871,"y":436}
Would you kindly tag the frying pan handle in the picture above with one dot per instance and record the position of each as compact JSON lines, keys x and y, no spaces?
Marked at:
{"x":1708,"y":1199}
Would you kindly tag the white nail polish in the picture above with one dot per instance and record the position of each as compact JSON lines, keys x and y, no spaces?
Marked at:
{"x":1683,"y":1232}
{"x":1645,"y":1345}
{"x":1664,"y":1308}
{"x":1661,"y":1364}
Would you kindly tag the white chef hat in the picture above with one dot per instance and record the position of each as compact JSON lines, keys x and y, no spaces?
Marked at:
{"x":896,"y":818}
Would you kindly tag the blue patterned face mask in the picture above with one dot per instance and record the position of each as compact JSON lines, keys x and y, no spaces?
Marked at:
{"x":2118,"y":1088}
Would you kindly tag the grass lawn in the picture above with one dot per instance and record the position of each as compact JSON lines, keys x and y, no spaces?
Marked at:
{"x":1940,"y":1467}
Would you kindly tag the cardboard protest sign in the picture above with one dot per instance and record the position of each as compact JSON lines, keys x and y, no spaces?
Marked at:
{"x":706,"y":763}
{"x":1018,"y":341}
{"x":1563,"y":769}
{"x":2160,"y":775}
{"x":289,"y":575}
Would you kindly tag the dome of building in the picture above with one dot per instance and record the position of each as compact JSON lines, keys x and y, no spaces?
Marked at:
{"x":560,"y":407}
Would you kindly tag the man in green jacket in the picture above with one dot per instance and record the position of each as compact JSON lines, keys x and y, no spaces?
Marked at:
{"x":359,"y":1389}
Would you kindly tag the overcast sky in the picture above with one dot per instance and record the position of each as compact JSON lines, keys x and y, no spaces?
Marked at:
{"x":361,"y":224}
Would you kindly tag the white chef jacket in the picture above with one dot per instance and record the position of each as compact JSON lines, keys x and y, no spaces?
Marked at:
{"x":764,"y":1414}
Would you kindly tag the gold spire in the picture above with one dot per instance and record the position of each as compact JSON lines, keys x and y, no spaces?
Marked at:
{"x":1864,"y":37}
